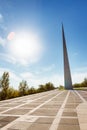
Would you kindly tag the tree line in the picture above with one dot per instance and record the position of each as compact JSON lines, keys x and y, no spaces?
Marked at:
{"x":7,"y":92}
{"x":81,"y":85}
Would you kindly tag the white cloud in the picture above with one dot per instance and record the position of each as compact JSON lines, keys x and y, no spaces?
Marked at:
{"x":78,"y":77}
{"x":34,"y":79}
{"x":7,"y":58}
{"x":45,"y":69}
{"x":27,"y":75}
{"x":14,"y":76}
{"x":79,"y":74}
{"x":56,"y":79}
{"x":14,"y":79}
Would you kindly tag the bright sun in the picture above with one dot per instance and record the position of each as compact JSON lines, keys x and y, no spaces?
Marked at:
{"x":24,"y":45}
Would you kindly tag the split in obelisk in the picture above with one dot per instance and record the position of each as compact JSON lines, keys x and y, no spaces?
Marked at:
{"x":67,"y":74}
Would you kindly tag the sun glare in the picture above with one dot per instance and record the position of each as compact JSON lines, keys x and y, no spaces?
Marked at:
{"x":25,"y":46}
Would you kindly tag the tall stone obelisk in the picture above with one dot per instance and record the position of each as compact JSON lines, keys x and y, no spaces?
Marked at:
{"x":67,"y":73}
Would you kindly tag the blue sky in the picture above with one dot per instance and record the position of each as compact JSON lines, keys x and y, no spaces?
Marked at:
{"x":39,"y":59}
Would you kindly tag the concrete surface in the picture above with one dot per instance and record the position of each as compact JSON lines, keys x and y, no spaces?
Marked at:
{"x":53,"y":110}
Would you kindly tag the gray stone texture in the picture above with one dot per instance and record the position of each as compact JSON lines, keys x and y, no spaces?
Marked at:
{"x":67,"y":74}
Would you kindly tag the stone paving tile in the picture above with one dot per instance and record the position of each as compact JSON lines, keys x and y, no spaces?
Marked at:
{"x":70,"y":110}
{"x":4,"y":120}
{"x":51,"y":106}
{"x":45,"y":115}
{"x":74,"y":101}
{"x":37,"y":126}
{"x":71,"y":105}
{"x":17,"y":111}
{"x":45,"y":112}
{"x":68,"y":127}
{"x":69,"y":124}
{"x":3,"y":109}
{"x":11,"y":105}
{"x":84,"y":94}
{"x":69,"y":121}
{"x":69,"y":114}
{"x":20,"y":125}
{"x":44,"y":120}
{"x":31,"y":105}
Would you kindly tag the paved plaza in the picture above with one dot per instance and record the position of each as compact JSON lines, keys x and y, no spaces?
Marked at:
{"x":52,"y":110}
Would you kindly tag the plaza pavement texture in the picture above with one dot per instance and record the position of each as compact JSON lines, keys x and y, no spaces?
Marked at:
{"x":52,"y":110}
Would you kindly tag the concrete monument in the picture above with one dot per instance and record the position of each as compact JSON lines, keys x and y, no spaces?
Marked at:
{"x":67,"y":73}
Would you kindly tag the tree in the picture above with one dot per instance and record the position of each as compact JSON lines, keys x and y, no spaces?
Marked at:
{"x":84,"y":83}
{"x":23,"y":88}
{"x":77,"y":85}
{"x":12,"y":93}
{"x":61,"y":87}
{"x":4,"y":85}
{"x":32,"y":90}
{"x":41,"y":88}
{"x":49,"y":86}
